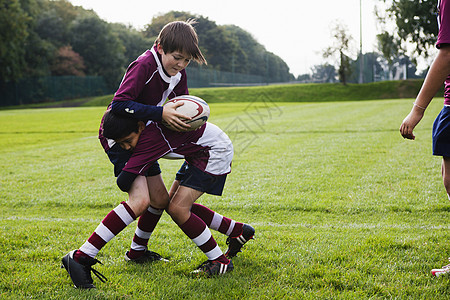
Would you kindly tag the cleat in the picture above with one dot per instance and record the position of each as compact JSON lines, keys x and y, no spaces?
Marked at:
{"x":80,"y":272}
{"x":148,"y":256}
{"x":235,"y":243}
{"x":442,"y":271}
{"x":213,"y":267}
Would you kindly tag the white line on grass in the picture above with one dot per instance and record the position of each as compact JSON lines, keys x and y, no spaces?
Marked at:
{"x":262,"y":224}
{"x":354,"y":226}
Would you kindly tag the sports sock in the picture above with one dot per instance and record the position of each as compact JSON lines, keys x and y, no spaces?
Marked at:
{"x":200,"y":234}
{"x":114,"y":222}
{"x":216,"y":221}
{"x":146,"y":224}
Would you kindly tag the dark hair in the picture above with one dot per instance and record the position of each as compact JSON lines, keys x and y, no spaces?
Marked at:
{"x":181,"y":36}
{"x":117,"y":126}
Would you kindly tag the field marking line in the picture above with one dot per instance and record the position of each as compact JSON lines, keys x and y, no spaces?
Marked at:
{"x":268,"y":224}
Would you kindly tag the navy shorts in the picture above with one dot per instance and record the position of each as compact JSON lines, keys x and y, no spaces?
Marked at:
{"x":192,"y":177}
{"x":441,"y":133}
{"x":119,"y":158}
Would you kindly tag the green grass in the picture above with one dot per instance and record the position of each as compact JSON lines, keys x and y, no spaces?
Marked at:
{"x":324,"y":92}
{"x":344,"y":208}
{"x":313,"y":92}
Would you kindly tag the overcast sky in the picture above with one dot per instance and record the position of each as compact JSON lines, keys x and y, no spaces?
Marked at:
{"x":295,"y":30}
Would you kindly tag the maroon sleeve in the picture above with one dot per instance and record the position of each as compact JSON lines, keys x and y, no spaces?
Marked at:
{"x":133,"y":82}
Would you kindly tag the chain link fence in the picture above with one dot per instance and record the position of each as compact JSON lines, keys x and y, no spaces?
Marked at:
{"x":202,"y":77}
{"x":51,"y":88}
{"x":58,"y":88}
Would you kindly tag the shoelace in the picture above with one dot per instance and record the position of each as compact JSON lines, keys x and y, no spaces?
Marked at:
{"x":99,"y":275}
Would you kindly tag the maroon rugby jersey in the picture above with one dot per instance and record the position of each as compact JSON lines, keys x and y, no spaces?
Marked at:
{"x":208,"y":148}
{"x":145,"y":82}
{"x":444,"y":38}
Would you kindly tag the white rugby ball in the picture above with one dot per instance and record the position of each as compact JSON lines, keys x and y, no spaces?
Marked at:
{"x":193,"y":107}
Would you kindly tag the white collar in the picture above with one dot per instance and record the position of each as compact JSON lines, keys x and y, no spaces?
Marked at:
{"x":163,"y":74}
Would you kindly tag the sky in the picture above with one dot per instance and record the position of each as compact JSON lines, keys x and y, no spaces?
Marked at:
{"x":296,"y":30}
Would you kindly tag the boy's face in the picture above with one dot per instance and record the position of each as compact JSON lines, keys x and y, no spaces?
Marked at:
{"x":130,"y":141}
{"x":174,"y":62}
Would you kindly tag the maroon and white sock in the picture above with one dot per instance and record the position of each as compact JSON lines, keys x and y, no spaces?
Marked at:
{"x":146,"y":224}
{"x":200,"y":234}
{"x":114,"y":222}
{"x":216,"y":221}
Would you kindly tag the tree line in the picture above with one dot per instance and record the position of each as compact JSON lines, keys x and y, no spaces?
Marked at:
{"x":54,"y":38}
{"x":408,"y":32}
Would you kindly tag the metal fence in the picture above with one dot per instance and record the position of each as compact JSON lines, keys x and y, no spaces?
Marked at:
{"x":51,"y":88}
{"x":202,"y":77}
{"x":58,"y":88}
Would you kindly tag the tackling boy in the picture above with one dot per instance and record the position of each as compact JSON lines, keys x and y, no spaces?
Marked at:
{"x":156,"y":75}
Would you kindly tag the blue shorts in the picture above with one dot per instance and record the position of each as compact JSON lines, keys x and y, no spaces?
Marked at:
{"x":441,"y":133}
{"x":119,"y":158}
{"x":192,"y":177}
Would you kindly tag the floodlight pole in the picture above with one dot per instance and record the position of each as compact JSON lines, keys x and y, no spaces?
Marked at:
{"x":361,"y":62}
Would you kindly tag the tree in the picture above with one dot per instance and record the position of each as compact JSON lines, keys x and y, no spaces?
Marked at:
{"x":388,"y":46}
{"x":67,"y":62}
{"x":38,"y":51}
{"x":339,"y":51}
{"x":228,"y":47}
{"x":13,"y":28}
{"x":134,"y":41}
{"x":101,"y":49}
{"x":325,"y":73}
{"x":372,"y":67}
{"x":304,"y":78}
{"x":416,"y":25}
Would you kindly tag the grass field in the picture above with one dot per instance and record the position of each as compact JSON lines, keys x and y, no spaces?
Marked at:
{"x":313,"y":92}
{"x":343,"y":207}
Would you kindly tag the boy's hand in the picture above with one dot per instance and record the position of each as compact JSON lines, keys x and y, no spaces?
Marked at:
{"x":410,"y":122}
{"x":174,"y":119}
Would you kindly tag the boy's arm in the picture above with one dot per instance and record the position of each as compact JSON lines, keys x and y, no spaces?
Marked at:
{"x":145,"y":112}
{"x":132,"y":84}
{"x":124,"y":101}
{"x":137,"y":110}
{"x":439,"y":71}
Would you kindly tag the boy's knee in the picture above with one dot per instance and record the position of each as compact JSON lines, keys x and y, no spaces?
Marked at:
{"x":161,"y":201}
{"x":177,"y":213}
{"x":171,"y":210}
{"x":138,"y":205}
{"x":125,"y":180}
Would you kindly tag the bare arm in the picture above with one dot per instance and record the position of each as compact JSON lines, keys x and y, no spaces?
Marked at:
{"x":436,"y":76}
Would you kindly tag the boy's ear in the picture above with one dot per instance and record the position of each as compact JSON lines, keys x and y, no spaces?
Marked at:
{"x":159,"y":49}
{"x":141,"y":126}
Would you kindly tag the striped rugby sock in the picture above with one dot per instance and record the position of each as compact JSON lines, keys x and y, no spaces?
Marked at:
{"x":146,"y":224}
{"x":119,"y":218}
{"x":216,"y":221}
{"x":200,"y":234}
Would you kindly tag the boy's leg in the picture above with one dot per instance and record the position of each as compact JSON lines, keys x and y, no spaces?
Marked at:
{"x":118,"y":218}
{"x":216,"y":221}
{"x":78,"y":262}
{"x":212,"y":219}
{"x":159,"y":200}
{"x":446,"y":174}
{"x":194,"y":227}
{"x":238,"y":233}
{"x":446,"y":179}
{"x":114,"y":222}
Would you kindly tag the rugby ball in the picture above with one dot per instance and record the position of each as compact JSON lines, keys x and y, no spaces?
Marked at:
{"x":193,"y":107}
